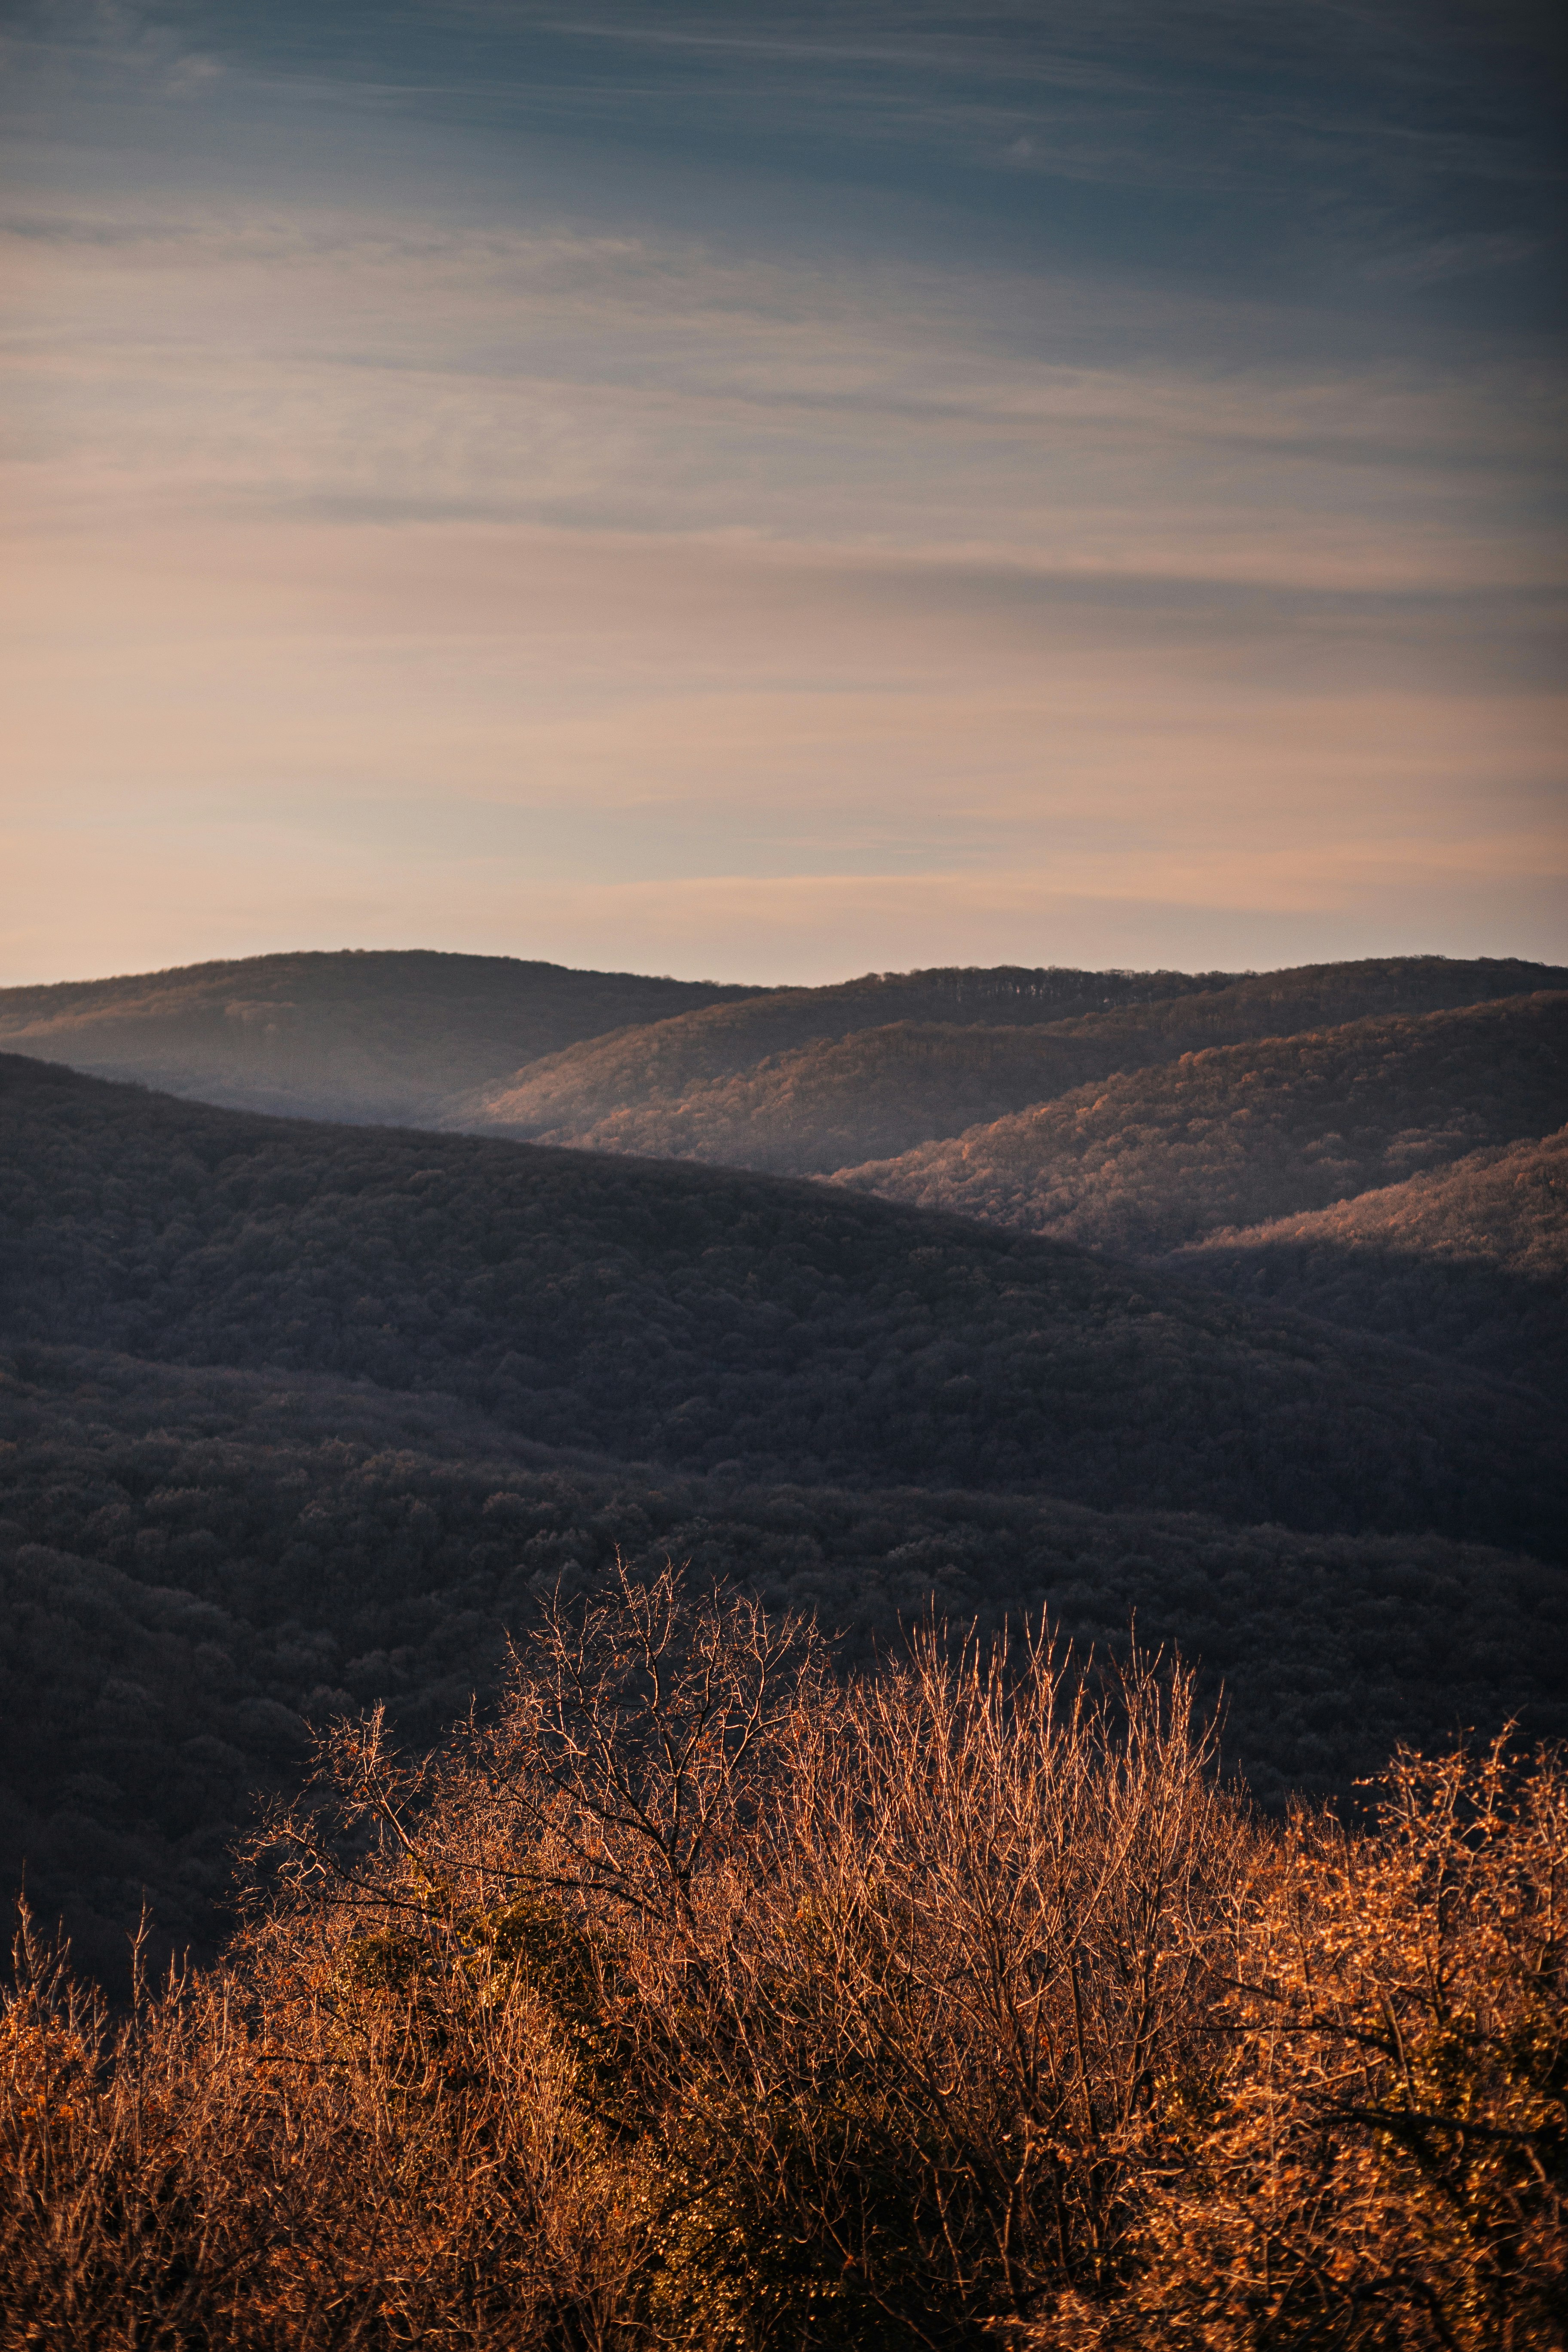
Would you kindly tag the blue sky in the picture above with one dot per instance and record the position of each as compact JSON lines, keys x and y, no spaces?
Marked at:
{"x":775,"y":492}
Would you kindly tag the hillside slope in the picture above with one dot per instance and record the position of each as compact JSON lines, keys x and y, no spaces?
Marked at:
{"x":811,"y":1110}
{"x":1470,"y":1260}
{"x":365,"y":1035}
{"x":703,"y":1319}
{"x":652,"y":1068}
{"x":194,"y":1562}
{"x":1145,"y":1163}
{"x":771,"y":1085}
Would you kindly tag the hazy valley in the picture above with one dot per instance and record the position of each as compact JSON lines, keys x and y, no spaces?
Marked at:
{"x":348,"y":1036}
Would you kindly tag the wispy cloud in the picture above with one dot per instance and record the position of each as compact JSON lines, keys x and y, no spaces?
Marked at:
{"x":396,"y":366}
{"x":417,"y":506}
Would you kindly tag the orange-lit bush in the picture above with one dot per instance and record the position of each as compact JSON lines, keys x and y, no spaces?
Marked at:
{"x":700,"y":2001}
{"x":1386,"y":2157}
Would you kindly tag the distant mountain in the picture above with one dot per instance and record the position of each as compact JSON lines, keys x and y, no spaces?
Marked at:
{"x":774,"y":1083}
{"x":799,"y":1081}
{"x":1470,"y":1260}
{"x":706,"y":1319}
{"x":1144,"y":1163}
{"x":366,"y":1035}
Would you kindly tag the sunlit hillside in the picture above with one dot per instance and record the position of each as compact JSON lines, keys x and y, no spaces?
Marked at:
{"x":791,"y":1084}
{"x":1144,"y":1162}
{"x":645,"y":1083}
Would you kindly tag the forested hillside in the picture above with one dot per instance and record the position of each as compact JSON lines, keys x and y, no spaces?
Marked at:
{"x":639,"y":1080}
{"x":701,"y":1318}
{"x":1237,"y":1135}
{"x":791,"y":1080}
{"x":1470,"y":1260}
{"x":771,"y":1084}
{"x":806,"y":1111}
{"x":196,"y":1563}
{"x":410,"y":1035}
{"x":362,"y":1036}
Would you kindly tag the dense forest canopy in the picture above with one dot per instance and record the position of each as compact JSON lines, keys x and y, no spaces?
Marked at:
{"x":1470,"y":1260}
{"x":195,"y":1564}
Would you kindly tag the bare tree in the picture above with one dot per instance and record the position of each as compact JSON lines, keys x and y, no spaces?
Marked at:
{"x":703,"y":2002}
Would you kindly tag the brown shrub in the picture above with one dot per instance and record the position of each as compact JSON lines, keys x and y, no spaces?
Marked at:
{"x":700,"y":2001}
{"x":1385,"y":2163}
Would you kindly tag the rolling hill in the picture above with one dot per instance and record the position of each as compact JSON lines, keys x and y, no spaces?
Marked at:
{"x":698,"y":1318}
{"x":364,"y":1035}
{"x":409,"y":1036}
{"x":644,"y":1078}
{"x":769,"y":1085}
{"x":1155,"y":1159}
{"x":1469,"y":1261}
{"x":793,"y":1080}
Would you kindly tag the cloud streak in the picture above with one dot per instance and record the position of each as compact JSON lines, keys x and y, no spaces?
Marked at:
{"x":396,"y":513}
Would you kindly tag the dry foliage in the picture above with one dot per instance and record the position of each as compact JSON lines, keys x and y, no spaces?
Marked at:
{"x":701,"y":2000}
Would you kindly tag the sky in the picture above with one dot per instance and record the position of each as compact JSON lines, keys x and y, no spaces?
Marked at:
{"x":771,"y":492}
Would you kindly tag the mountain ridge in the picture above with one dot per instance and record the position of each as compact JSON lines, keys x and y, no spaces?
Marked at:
{"x":624,"y":1061}
{"x":684,"y":1090}
{"x":1146,"y":1161}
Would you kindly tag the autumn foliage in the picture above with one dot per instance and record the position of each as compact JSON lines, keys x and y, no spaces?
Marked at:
{"x":702,"y":1999}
